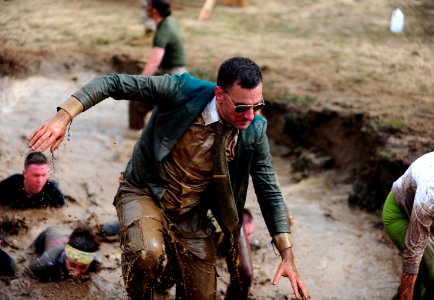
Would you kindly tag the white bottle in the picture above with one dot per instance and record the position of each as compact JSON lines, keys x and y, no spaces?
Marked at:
{"x":397,"y":21}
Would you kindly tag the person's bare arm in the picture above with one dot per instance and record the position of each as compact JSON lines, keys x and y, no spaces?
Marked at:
{"x":407,"y":286}
{"x":154,"y":61}
{"x":288,"y":269}
{"x":51,"y":133}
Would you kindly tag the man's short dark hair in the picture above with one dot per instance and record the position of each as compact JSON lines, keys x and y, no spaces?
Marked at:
{"x":240,"y":70}
{"x":83,"y":238}
{"x":163,"y":7}
{"x":35,"y":158}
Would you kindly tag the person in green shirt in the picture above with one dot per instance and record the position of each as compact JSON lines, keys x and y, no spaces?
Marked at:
{"x":167,"y":55}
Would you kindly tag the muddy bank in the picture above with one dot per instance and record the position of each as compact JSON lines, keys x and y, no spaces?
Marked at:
{"x":368,"y":153}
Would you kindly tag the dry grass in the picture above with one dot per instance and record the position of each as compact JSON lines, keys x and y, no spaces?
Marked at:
{"x":339,"y":52}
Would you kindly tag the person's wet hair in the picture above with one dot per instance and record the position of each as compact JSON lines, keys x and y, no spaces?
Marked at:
{"x":163,"y":7}
{"x":35,"y":158}
{"x":240,"y":70}
{"x":83,"y":238}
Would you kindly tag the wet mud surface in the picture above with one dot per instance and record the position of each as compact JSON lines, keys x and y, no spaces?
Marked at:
{"x":338,"y":252}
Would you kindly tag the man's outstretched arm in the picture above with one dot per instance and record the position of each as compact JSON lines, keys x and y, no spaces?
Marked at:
{"x":51,"y":133}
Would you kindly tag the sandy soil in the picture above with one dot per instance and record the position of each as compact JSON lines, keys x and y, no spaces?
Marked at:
{"x":339,"y":52}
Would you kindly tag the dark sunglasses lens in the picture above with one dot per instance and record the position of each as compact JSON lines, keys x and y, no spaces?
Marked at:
{"x":242,"y":108}
{"x":258,"y":107}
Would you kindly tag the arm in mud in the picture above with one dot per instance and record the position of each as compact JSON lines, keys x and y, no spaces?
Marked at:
{"x":39,"y":268}
{"x":38,"y":244}
{"x":8,"y":265}
{"x":245,"y":257}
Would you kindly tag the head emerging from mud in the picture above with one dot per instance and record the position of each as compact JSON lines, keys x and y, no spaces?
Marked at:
{"x":239,"y":91}
{"x":81,"y":250}
{"x":35,"y":173}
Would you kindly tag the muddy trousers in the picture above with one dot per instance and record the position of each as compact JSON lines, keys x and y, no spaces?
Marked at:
{"x":396,"y":224}
{"x":152,"y":259}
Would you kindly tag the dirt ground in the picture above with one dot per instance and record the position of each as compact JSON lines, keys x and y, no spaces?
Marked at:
{"x":340,"y":53}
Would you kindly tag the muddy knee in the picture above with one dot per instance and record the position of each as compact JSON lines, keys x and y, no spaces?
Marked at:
{"x":144,"y":250}
{"x":143,"y":259}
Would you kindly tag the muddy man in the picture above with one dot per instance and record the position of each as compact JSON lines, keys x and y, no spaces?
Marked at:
{"x":194,"y":155}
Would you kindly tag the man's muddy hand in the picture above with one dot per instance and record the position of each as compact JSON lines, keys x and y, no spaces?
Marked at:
{"x":288,"y":269}
{"x":51,"y":133}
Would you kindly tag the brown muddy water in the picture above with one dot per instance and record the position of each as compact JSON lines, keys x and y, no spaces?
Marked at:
{"x":339,"y":253}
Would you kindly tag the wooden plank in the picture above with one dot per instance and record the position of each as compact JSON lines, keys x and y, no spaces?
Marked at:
{"x":233,"y":2}
{"x":206,"y":9}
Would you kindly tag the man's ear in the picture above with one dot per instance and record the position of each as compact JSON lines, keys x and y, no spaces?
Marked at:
{"x":218,"y":93}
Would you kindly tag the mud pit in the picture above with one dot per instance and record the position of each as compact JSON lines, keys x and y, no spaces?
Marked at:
{"x":343,"y":72}
{"x":337,"y":250}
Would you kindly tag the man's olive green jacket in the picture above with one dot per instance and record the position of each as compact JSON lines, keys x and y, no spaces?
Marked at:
{"x":179,"y":100}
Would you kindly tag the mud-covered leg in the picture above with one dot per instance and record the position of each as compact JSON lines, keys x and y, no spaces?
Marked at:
{"x":240,"y":268}
{"x":141,"y":230}
{"x":198,"y":279}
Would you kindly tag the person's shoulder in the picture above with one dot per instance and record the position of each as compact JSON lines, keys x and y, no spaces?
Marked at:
{"x":172,"y":22}
{"x":12,"y":191}
{"x":426,"y":159}
{"x":14,"y":178}
{"x":194,"y":82}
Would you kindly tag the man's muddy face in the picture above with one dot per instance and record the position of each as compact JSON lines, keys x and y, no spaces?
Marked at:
{"x":35,"y":178}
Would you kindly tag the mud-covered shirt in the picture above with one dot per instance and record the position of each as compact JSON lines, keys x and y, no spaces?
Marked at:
{"x":189,"y":165}
{"x":414,"y":194}
{"x":12,"y":194}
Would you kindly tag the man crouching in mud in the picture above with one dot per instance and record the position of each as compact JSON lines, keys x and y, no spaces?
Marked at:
{"x":194,"y":155}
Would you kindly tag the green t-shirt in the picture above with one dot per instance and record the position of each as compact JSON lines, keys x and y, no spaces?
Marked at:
{"x":169,"y":38}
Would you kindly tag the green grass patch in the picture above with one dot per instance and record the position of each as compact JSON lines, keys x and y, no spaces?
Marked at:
{"x":102,"y":40}
{"x":390,"y":124}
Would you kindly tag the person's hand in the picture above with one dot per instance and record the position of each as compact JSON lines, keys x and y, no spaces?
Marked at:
{"x":288,"y":269}
{"x":51,"y":133}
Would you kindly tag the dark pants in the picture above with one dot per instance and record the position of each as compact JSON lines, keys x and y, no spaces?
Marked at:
{"x":157,"y":254}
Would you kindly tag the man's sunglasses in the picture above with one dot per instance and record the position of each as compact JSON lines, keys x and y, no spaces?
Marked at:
{"x":240,"y":108}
